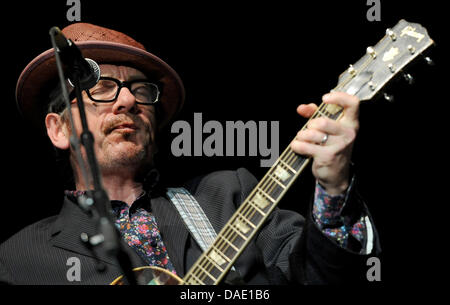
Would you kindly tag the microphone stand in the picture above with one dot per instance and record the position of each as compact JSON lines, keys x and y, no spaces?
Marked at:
{"x":109,"y":235}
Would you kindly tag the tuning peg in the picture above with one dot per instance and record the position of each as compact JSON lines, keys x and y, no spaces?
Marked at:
{"x":408,"y":77}
{"x":388,"y":97}
{"x":429,"y":61}
{"x":391,"y":34}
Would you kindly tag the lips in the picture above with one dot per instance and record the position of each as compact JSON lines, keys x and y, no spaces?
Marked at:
{"x":123,"y":127}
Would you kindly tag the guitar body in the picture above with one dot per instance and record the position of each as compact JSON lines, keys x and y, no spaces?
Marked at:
{"x":151,"y":275}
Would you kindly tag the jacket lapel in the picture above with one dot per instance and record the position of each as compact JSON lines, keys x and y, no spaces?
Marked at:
{"x":71,"y":223}
{"x":173,"y":231}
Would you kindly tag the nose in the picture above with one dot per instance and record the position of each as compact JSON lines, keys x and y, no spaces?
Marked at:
{"x":126,"y":102}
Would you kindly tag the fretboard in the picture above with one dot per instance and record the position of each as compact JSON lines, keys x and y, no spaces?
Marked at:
{"x":215,"y":262}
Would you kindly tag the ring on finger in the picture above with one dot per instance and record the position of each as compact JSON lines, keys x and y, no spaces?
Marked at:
{"x":324,"y":139}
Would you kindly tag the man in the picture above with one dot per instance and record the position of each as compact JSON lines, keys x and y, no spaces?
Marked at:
{"x":137,"y":95}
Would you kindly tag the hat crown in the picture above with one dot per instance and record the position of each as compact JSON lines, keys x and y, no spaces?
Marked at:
{"x":80,"y":32}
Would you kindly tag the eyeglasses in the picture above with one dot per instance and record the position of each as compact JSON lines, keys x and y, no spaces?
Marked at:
{"x":107,"y":90}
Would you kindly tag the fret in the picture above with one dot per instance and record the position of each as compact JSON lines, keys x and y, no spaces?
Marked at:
{"x":236,"y":229}
{"x":207,"y":265}
{"x":239,"y":224}
{"x":197,"y":273}
{"x":227,"y":242}
{"x":298,"y":162}
{"x":214,"y":263}
{"x":287,"y":166}
{"x":228,"y":251}
{"x":332,"y":110}
{"x":213,"y":254}
{"x":276,"y":181}
{"x":207,"y":273}
{"x":247,"y":221}
{"x":322,"y":113}
{"x":195,"y":278}
{"x":221,"y":258}
{"x":256,"y":208}
{"x":293,"y":160}
{"x":234,"y":238}
{"x":260,"y":200}
{"x":250,"y":217}
{"x":281,"y":173}
{"x":266,"y":195}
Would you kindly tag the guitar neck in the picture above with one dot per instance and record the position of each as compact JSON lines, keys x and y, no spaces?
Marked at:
{"x":214,"y":263}
{"x":364,"y":79}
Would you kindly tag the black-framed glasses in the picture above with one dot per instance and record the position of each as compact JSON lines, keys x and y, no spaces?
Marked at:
{"x":107,"y":90}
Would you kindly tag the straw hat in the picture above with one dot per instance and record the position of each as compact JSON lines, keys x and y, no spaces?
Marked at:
{"x":103,"y":46}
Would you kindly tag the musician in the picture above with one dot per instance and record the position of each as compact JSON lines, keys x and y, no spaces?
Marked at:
{"x":139,"y":94}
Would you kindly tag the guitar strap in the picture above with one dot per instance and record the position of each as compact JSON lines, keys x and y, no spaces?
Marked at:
{"x":193,"y":216}
{"x":197,"y":222}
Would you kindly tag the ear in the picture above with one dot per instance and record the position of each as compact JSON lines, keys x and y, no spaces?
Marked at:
{"x":56,"y":131}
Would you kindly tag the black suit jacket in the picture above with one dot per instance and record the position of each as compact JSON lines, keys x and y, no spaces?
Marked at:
{"x":288,"y":248}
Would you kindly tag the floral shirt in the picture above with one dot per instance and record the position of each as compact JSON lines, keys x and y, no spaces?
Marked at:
{"x":139,"y":229}
{"x":327,"y":213}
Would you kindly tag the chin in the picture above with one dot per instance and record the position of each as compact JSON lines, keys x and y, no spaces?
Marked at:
{"x":126,"y":154}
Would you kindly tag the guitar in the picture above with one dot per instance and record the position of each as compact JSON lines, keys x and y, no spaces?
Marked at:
{"x":387,"y":59}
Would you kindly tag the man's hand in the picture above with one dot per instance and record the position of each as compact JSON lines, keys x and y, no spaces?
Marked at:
{"x":332,"y":158}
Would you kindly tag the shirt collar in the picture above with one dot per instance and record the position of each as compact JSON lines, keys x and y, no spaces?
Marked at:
{"x":142,"y":201}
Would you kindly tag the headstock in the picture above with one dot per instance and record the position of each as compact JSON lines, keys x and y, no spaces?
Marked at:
{"x":399,"y":47}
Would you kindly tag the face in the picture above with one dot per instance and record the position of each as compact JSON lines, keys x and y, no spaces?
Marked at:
{"x":124,"y":131}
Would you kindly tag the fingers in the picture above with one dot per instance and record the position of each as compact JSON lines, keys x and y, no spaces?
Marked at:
{"x":340,"y":132}
{"x":350,"y":103}
{"x":306,"y":110}
{"x":312,"y":136}
{"x":325,"y":125}
{"x":306,"y":148}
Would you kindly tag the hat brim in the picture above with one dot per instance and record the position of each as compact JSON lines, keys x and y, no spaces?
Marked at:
{"x":40,"y":76}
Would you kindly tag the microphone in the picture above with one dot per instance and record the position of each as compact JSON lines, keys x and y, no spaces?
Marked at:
{"x":88,"y":70}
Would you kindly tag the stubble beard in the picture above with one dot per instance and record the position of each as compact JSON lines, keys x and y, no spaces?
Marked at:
{"x":131,"y":157}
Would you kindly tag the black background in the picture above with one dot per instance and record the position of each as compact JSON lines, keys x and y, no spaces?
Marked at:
{"x":258,"y":61}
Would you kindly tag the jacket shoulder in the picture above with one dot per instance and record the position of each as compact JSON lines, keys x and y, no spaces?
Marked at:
{"x":36,"y":231}
{"x":15,"y":251}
